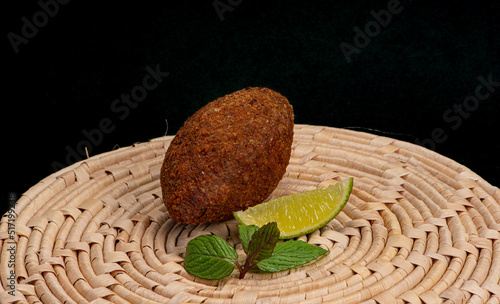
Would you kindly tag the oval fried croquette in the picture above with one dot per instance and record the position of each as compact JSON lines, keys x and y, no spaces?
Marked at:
{"x":228,"y":156}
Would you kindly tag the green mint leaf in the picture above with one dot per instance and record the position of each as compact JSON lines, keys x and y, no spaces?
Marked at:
{"x":290,"y":254}
{"x":210,"y":257}
{"x":246,"y":233}
{"x":263,"y":241}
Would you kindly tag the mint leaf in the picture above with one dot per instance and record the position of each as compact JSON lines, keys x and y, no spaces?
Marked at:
{"x":263,"y":241}
{"x":246,"y":233}
{"x":210,"y":257}
{"x":290,"y":254}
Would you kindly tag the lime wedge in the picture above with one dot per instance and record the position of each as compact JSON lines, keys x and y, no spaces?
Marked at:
{"x":299,"y":213}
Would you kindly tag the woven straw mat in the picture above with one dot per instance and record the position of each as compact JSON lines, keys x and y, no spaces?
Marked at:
{"x":418,"y":228}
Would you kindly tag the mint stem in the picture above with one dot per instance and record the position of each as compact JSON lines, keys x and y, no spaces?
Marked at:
{"x":248,"y":265}
{"x":241,"y":269}
{"x":242,"y":274}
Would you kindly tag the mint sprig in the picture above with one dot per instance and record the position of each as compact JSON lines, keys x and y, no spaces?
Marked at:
{"x":211,"y":257}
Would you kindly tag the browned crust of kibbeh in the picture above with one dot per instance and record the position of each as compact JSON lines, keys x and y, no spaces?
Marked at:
{"x":228,"y":156}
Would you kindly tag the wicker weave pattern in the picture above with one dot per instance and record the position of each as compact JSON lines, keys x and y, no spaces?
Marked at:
{"x":418,"y":228}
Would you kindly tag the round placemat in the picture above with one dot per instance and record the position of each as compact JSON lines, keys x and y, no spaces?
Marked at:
{"x":418,"y":228}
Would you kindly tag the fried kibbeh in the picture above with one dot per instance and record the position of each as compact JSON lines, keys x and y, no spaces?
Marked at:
{"x":228,"y":156}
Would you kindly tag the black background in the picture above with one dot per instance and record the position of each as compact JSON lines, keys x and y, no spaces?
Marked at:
{"x":400,"y":84}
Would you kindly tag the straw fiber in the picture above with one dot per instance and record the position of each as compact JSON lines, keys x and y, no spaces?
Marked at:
{"x":418,"y":228}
